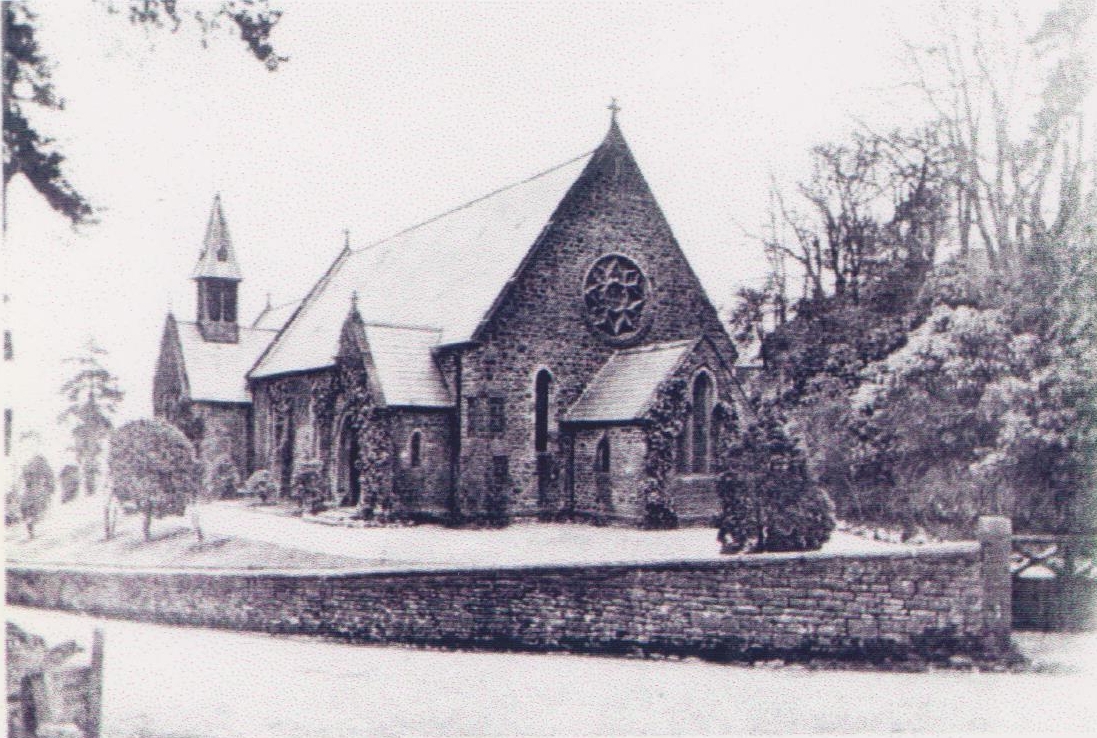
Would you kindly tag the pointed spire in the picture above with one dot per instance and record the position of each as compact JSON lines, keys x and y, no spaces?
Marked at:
{"x":217,"y":258}
{"x":354,"y":301}
{"x":614,"y":137}
{"x":346,"y":239}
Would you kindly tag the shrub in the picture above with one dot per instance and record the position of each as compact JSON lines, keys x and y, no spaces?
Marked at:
{"x":153,"y":466}
{"x":38,"y":486}
{"x":770,"y":501}
{"x":261,"y":484}
{"x":308,"y":486}
{"x":11,"y":505}
{"x":222,"y":478}
{"x":70,"y":482}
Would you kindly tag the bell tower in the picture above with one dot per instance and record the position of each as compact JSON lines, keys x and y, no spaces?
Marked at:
{"x":217,"y":275}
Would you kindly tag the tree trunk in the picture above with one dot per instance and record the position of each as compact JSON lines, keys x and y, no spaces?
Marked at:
{"x":147,"y":525}
{"x":30,"y":529}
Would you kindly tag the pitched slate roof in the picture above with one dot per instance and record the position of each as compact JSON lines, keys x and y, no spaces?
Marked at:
{"x":444,"y":273}
{"x":625,"y":385}
{"x":405,"y":368}
{"x":216,"y":371}
{"x":273,"y":317}
{"x":217,"y":258}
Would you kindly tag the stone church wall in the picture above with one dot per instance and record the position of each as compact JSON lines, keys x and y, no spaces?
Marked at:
{"x":618,"y":496}
{"x":541,"y":320}
{"x":225,"y":432}
{"x":425,"y":489}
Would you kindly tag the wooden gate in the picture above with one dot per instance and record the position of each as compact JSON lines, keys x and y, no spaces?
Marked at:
{"x":1054,"y":581}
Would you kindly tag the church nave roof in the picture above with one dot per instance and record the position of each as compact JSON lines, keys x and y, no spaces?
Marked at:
{"x":444,"y":273}
{"x":216,"y":371}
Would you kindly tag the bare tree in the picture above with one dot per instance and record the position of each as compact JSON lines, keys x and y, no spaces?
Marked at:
{"x":1014,"y":151}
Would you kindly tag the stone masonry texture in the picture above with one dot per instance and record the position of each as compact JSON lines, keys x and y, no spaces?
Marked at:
{"x":898,"y":601}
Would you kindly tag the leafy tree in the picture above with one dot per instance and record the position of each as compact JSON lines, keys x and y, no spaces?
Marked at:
{"x":93,"y":396}
{"x":153,"y":465}
{"x":28,"y":82}
{"x":37,"y":492}
{"x":769,"y":500}
{"x":70,"y":482}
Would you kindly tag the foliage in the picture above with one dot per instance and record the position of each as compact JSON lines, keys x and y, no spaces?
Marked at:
{"x":253,"y":20}
{"x":37,"y":491}
{"x":222,"y":478}
{"x":935,"y":392}
{"x":27,"y":654}
{"x":261,"y":484}
{"x":153,"y":465}
{"x":28,"y":80}
{"x":351,"y":396}
{"x":308,"y":485}
{"x":70,"y":482}
{"x":989,"y":407}
{"x":28,"y":83}
{"x":92,"y":395}
{"x":770,"y":502}
{"x":666,"y":422}
{"x":11,"y":504}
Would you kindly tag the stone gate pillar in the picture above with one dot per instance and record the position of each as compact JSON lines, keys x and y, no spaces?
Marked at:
{"x":994,"y":534}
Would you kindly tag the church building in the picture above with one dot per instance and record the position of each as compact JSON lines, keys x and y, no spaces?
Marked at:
{"x":543,"y":351}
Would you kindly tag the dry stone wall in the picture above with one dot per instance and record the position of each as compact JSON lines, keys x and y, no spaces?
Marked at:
{"x":912,"y":600}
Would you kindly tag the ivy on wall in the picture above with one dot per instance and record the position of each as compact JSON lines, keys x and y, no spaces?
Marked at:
{"x":666,"y":420}
{"x":354,"y":402}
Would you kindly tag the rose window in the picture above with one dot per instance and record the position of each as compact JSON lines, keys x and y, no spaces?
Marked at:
{"x":615,"y":293}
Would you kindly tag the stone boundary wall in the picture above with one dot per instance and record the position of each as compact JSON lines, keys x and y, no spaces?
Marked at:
{"x":912,"y":600}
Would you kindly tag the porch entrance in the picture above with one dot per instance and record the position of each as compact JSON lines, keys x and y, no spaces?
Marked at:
{"x":350,"y":467}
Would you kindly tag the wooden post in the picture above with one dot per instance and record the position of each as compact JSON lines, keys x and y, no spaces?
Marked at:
{"x":994,"y":534}
{"x":95,"y":686}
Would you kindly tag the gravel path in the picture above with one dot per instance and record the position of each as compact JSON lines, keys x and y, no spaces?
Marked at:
{"x":163,"y":681}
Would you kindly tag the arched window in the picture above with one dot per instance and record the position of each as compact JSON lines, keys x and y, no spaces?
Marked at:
{"x":718,"y":415}
{"x":541,"y":410}
{"x":415,"y":450}
{"x":702,"y":408}
{"x":601,"y":456}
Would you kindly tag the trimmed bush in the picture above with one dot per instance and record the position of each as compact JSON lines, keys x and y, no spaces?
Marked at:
{"x":770,"y":502}
{"x":261,"y":484}
{"x":38,"y":487}
{"x":153,"y":466}
{"x":70,"y":482}
{"x":308,"y":485}
{"x":222,"y":478}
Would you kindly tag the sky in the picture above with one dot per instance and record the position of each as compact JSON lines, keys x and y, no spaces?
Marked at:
{"x":388,"y":114}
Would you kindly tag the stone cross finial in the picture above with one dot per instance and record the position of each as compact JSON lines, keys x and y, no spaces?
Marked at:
{"x":346,"y":239}
{"x":354,"y":300}
{"x":613,"y":108}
